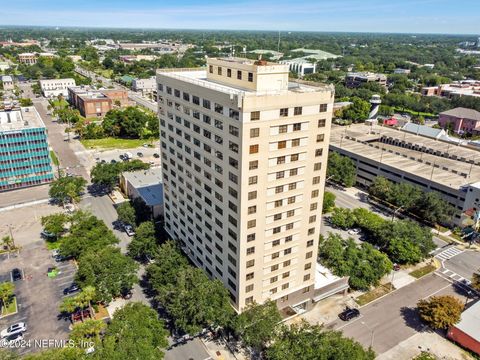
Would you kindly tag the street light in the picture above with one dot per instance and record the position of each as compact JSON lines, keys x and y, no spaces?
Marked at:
{"x":371,"y":330}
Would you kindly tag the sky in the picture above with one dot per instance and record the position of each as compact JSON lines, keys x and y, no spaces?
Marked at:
{"x":397,"y":16}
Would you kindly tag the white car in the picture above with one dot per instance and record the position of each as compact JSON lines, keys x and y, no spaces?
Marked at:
{"x":353,"y":231}
{"x":129,"y":230}
{"x":10,"y":340}
{"x":13,"y":329}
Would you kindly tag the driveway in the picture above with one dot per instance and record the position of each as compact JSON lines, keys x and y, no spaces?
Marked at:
{"x":393,"y":319}
{"x":38,"y":296}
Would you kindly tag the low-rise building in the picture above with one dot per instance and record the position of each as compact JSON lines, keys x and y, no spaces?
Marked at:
{"x":24,"y":151}
{"x":147,"y":185}
{"x":96,"y":103}
{"x":75,"y":58}
{"x":133,"y":58}
{"x":402,"y":71}
{"x":300,"y":66}
{"x":467,"y":332}
{"x":460,"y":120}
{"x":400,"y":156}
{"x":56,"y":87}
{"x":455,"y":89}
{"x":27,"y":58}
{"x":145,"y":86}
{"x":356,"y":79}
{"x":7,"y":82}
{"x":4,"y":65}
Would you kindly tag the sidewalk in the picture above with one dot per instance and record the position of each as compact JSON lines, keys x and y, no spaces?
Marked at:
{"x":219,"y":351}
{"x":425,"y":341}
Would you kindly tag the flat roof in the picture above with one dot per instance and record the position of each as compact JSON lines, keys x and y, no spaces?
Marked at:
{"x":470,"y":321}
{"x":323,"y":276}
{"x":29,"y":119}
{"x":7,"y":78}
{"x":148,"y":184}
{"x":363,"y":140}
{"x":199,"y":77}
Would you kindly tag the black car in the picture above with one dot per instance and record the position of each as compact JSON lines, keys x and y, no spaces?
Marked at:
{"x":113,"y":161}
{"x":349,"y":314}
{"x":122,"y":157}
{"x":139,"y":154}
{"x":16,"y":274}
{"x":71,"y":289}
{"x":156,"y":156}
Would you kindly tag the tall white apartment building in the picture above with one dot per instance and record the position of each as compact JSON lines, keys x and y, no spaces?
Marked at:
{"x":244,"y":155}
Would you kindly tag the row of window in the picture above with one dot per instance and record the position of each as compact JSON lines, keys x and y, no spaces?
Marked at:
{"x":229,"y":73}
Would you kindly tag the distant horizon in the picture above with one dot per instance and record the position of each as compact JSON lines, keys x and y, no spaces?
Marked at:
{"x":60,"y":27}
{"x":461,"y":17}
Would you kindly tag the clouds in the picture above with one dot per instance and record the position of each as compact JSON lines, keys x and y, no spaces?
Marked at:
{"x":318,"y":15}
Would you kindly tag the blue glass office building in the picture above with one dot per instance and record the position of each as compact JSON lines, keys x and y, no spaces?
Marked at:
{"x":24,"y":151}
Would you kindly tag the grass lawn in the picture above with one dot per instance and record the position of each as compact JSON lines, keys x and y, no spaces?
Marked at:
{"x":112,"y":143}
{"x":422,"y":271}
{"x":52,"y":245}
{"x":59,"y":103}
{"x":10,"y":309}
{"x":416,"y":113}
{"x":105,"y":73}
{"x":374,"y":294}
{"x":54,"y":158}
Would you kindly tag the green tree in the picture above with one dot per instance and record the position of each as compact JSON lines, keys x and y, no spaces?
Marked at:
{"x":342,"y":218}
{"x":80,"y":301}
{"x":89,"y":330}
{"x":106,"y":174}
{"x":424,"y":355}
{"x":358,"y":111}
{"x":440,"y":312}
{"x":257,"y":324}
{"x":65,"y":353}
{"x":312,"y":342}
{"x":476,"y":280}
{"x":341,"y":169}
{"x":126,"y":213}
{"x":7,"y":292}
{"x":328,"y":202}
{"x":26,"y":102}
{"x":8,"y":355}
{"x":144,"y":243}
{"x":8,"y":243}
{"x":55,"y":223}
{"x":67,"y":189}
{"x":135,"y":332}
{"x":432,"y":208}
{"x":108,"y":270}
{"x":86,"y":232}
{"x":380,"y":188}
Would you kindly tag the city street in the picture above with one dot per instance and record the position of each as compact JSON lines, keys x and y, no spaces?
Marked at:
{"x":387,"y":322}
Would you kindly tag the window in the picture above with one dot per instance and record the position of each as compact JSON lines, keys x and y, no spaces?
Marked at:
{"x":280,"y":160}
{"x":206,"y":104}
{"x":210,"y":69}
{"x":251,"y":223}
{"x":309,"y":243}
{"x":321,"y":123}
{"x":295,"y":142}
{"x":317,"y":166}
{"x":249,"y":288}
{"x":218,"y":124}
{"x":281,"y":144}
{"x":239,"y":75}
{"x":251,"y":250}
{"x":316,"y":180}
{"x":255,"y":132}
{"x":318,"y":152}
{"x":218,"y":108}
{"x":253,"y":165}
{"x":294,"y":157}
{"x":252,"y":209}
{"x":254,"y":149}
{"x":282,"y":129}
{"x":277,"y":229}
{"x":275,"y":243}
{"x":285,"y":275}
{"x":287,"y":251}
{"x":287,"y":263}
{"x":186,"y":96}
{"x":250,"y":263}
{"x":250,"y":237}
{"x":252,"y":195}
{"x":312,"y":219}
{"x":273,"y":279}
{"x":252,"y":180}
{"x":219,"y":70}
{"x":284,"y":112}
{"x":293,"y":172}
{"x":278,"y":203}
{"x":249,"y":300}
{"x":249,"y":276}
{"x":229,"y":72}
{"x":196,"y":100}
{"x":288,"y":238}
{"x":306,"y":277}
{"x":308,"y":266}
{"x":291,"y":200}
{"x":232,"y":146}
{"x":255,"y":115}
{"x":274,"y":268}
{"x":278,"y":189}
{"x":280,"y":174}
{"x":290,"y":213}
{"x":323,"y":108}
{"x":314,"y":193}
{"x":250,"y":77}
{"x":297,"y":127}
{"x":313,"y":206}
{"x":277,"y":217}
{"x":292,"y":186}
{"x":275,"y":255}
{"x":320,"y":137}
{"x":297,"y":110}
{"x":309,"y":255}
{"x":285,"y":286}
{"x":233,"y":130}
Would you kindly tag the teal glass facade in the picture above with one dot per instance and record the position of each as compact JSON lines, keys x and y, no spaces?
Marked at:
{"x":24,"y":158}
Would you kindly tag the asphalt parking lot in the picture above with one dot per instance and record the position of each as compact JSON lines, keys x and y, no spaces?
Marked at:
{"x":38,"y":296}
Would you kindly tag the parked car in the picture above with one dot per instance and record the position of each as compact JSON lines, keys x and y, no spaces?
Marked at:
{"x":353,"y":231}
{"x":122,"y":157}
{"x":9,"y":341}
{"x":129,"y":230}
{"x":113,"y":161}
{"x":139,"y":154}
{"x":156,"y":156}
{"x":16,"y":274}
{"x":349,"y":314}
{"x":47,"y":235}
{"x":71,"y":289}
{"x":13,"y":329}
{"x":396,"y":267}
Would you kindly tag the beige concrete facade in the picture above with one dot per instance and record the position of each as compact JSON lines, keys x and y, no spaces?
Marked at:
{"x":244,"y":162}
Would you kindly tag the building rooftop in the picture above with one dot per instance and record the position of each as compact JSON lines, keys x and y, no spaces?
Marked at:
{"x":423,"y":130}
{"x":458,"y":167}
{"x":463,"y":113}
{"x":7,"y":78}
{"x":20,"y":118}
{"x":366,"y":75}
{"x":148,"y":184}
{"x":470,"y":322}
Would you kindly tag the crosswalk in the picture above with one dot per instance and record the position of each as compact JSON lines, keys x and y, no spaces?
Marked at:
{"x":452,"y":275}
{"x":448,"y":253}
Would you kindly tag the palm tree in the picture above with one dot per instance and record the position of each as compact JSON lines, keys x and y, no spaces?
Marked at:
{"x":6,"y":293}
{"x":87,"y":330}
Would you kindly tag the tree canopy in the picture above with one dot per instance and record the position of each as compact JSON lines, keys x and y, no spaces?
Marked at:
{"x":440,"y":312}
{"x":67,"y":189}
{"x":144,"y":242}
{"x":126,"y":213}
{"x":341,"y":169}
{"x":108,"y":175}
{"x":328,"y":202}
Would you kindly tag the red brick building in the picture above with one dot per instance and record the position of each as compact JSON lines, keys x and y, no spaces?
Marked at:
{"x":96,"y":103}
{"x":467,"y":332}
